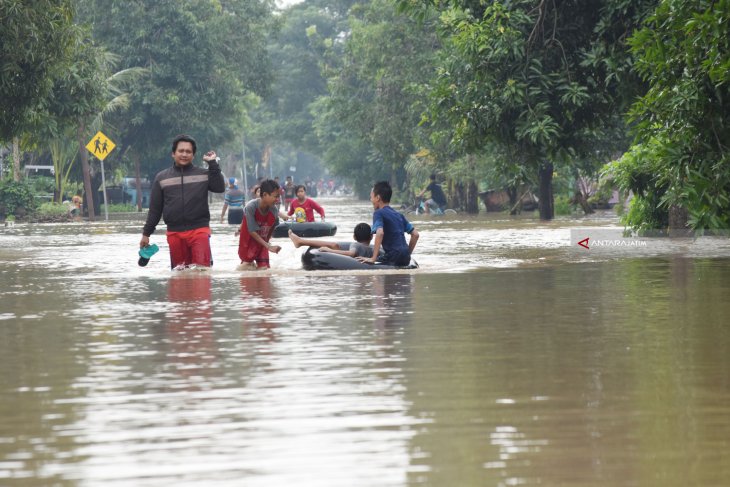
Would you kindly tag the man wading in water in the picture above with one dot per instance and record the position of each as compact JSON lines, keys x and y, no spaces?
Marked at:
{"x":180,"y":196}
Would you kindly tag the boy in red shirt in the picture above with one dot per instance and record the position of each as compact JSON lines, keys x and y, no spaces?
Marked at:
{"x":308,"y":206}
{"x":260,"y":217}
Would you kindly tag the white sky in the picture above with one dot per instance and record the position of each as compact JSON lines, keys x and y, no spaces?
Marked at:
{"x":282,"y":4}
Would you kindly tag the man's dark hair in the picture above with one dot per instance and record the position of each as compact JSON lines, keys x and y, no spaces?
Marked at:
{"x":383,"y":189}
{"x":433,"y":176}
{"x":184,"y":138}
{"x":296,"y":188}
{"x":363,"y":232}
{"x":269,"y":186}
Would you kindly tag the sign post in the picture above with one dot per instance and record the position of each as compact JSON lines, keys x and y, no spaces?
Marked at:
{"x":100,"y":146}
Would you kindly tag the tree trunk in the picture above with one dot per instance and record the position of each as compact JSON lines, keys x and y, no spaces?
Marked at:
{"x":512,"y":193}
{"x":679,"y":221}
{"x":95,"y":188}
{"x":581,"y":199}
{"x":472,"y":198}
{"x":545,"y":205}
{"x":16,"y":159}
{"x":88,"y":196}
{"x":515,"y":204}
{"x":137,"y":180}
{"x":458,"y":195}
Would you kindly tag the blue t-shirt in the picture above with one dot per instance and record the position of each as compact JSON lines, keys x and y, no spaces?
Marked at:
{"x":394,"y":225}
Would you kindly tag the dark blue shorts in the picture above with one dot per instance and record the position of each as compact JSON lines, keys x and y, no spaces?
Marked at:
{"x":397,"y":257}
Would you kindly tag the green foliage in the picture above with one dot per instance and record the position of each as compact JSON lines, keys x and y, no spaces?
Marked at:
{"x":41,"y":184}
{"x":375,"y":96}
{"x":16,"y":198}
{"x":302,"y":53}
{"x":202,"y":59}
{"x":120,"y":208}
{"x":77,"y":93}
{"x":542,"y":82}
{"x":636,"y":171}
{"x":563,"y":205}
{"x":684,"y":55}
{"x":52,"y":211}
{"x":35,"y":44}
{"x":63,"y":154}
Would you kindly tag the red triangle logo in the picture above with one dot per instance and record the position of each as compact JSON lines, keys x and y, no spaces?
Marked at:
{"x":584,"y":243}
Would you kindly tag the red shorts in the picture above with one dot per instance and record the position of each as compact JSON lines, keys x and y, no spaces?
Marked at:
{"x":249,"y":250}
{"x":190,"y":247}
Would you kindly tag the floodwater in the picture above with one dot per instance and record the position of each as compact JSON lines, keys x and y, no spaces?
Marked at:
{"x":512,"y":357}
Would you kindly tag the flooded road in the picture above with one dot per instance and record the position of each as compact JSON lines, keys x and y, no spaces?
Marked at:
{"x":512,"y":356}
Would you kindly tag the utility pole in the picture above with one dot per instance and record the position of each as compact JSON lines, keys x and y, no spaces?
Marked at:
{"x":243,"y":169}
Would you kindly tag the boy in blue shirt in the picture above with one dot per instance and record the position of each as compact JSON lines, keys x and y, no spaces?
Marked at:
{"x":390,"y":245}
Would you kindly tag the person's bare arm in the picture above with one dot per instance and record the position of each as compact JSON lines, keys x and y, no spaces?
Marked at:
{"x":412,"y":241}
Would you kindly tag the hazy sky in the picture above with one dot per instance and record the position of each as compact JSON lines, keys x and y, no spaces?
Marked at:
{"x":286,"y":3}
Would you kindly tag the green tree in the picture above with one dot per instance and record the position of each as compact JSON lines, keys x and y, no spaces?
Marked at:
{"x":520,"y":74}
{"x":678,"y":168}
{"x":305,"y":49}
{"x":299,"y":58}
{"x":63,"y":155}
{"x":202,"y":58}
{"x":376,"y":93}
{"x":36,"y":37}
{"x":77,"y":98}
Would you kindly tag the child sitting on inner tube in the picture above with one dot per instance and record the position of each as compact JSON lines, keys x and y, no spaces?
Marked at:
{"x":359,"y":248}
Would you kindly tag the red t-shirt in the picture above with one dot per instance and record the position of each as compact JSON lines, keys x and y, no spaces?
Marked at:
{"x":261,"y":223}
{"x":309,"y":206}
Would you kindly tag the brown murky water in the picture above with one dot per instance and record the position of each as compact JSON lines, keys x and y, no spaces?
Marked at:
{"x":511,"y":357}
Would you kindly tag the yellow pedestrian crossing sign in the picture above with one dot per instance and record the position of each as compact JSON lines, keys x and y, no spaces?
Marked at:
{"x":100,"y":145}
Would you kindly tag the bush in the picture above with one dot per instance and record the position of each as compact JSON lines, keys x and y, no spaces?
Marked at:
{"x":563,"y":206}
{"x":52,"y":212}
{"x":120,"y":208}
{"x":16,"y":198}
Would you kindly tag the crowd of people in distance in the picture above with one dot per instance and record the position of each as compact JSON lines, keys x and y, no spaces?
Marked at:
{"x":179,"y":196}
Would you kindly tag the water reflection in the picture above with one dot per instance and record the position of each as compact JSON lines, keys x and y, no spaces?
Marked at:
{"x":188,"y":323}
{"x":392,"y":304}
{"x":258,"y":307}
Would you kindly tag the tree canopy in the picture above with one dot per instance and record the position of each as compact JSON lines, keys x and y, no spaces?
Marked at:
{"x":202,"y":59}
{"x":500,"y":92}
{"x":36,"y":37}
{"x":680,"y":162}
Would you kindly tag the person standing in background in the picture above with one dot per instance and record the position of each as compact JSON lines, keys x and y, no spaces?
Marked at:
{"x":290,"y":192}
{"x":233,"y":202}
{"x":303,"y":208}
